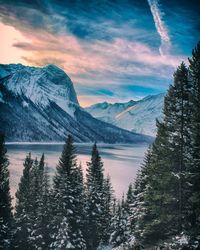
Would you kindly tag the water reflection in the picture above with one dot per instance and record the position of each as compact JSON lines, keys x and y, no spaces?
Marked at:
{"x":120,"y":161}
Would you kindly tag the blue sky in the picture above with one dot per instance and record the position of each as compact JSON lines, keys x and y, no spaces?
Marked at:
{"x":112,"y":50}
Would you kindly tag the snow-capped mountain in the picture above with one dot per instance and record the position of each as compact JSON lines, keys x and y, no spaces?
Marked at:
{"x":40,"y":104}
{"x":41,"y":85}
{"x":136,"y":116}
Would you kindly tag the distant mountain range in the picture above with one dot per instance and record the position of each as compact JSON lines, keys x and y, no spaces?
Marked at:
{"x":136,"y":116}
{"x":40,"y":104}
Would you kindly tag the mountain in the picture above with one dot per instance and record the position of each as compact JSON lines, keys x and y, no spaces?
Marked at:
{"x":40,"y":104}
{"x":136,"y":116}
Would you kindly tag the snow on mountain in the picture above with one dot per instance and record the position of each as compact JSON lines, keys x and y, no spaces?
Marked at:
{"x":42,"y":85}
{"x":40,"y":104}
{"x":136,"y":116}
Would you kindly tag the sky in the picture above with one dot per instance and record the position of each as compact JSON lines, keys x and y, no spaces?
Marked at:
{"x":113,"y":51}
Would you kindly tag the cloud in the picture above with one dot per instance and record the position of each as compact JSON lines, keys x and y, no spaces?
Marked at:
{"x":111,"y":64}
{"x":160,"y":26}
{"x":94,"y":94}
{"x":45,"y":61}
{"x":96,"y":58}
{"x":8,"y":53}
{"x":106,"y":44}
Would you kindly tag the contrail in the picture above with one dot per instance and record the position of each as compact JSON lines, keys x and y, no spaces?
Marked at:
{"x":160,"y":26}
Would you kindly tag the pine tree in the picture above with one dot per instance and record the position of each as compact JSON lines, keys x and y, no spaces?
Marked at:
{"x":115,"y":237}
{"x":42,"y":210}
{"x":33,"y":216}
{"x":164,"y":194}
{"x":62,"y":240}
{"x":120,"y":228}
{"x":82,"y":201}
{"x":34,"y":183}
{"x":129,"y":203}
{"x":68,"y":193}
{"x":178,"y":120}
{"x":194,"y":171}
{"x":139,"y":208}
{"x":129,"y":199}
{"x":128,"y":218}
{"x":5,"y":198}
{"x":23,"y":222}
{"x":95,"y":199}
{"x":107,"y":211}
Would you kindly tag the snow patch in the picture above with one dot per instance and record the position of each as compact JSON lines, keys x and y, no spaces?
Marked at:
{"x":25,"y":104}
{"x":136,"y":116}
{"x":42,"y":86}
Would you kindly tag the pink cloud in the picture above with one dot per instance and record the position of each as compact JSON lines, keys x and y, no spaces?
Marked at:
{"x":87,"y":61}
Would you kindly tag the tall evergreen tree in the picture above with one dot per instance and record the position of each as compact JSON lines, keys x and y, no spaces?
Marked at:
{"x":120,"y":234}
{"x":5,"y":198}
{"x":194,"y":171}
{"x":41,"y":214}
{"x":165,"y":196}
{"x":23,"y":222}
{"x":108,"y":199}
{"x":126,"y":221}
{"x":95,"y":200}
{"x":68,"y":198}
{"x":178,"y":121}
{"x":62,"y":240}
{"x":129,"y":204}
{"x":129,"y":199}
{"x":29,"y":197}
{"x":138,"y":211}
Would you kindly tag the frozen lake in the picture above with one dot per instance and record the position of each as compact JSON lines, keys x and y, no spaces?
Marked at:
{"x":120,"y":161}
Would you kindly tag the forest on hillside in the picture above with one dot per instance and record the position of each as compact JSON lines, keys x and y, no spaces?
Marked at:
{"x":161,"y":209}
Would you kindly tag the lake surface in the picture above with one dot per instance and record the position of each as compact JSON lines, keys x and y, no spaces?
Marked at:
{"x":121,"y":162}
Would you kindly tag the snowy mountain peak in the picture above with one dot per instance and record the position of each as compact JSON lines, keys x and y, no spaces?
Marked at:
{"x":136,"y":116}
{"x":40,"y":104}
{"x":41,"y":85}
{"x":153,"y":97}
{"x":131,"y":102}
{"x":52,"y":67}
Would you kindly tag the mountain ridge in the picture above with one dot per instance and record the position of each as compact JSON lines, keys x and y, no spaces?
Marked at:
{"x":137,"y":116}
{"x":40,"y":104}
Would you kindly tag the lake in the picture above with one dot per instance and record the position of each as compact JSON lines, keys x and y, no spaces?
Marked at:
{"x":121,"y":162}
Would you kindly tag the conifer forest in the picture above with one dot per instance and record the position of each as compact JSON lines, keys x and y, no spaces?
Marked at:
{"x":161,"y":209}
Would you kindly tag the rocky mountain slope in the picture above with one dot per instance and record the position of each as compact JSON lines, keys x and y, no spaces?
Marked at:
{"x":136,"y":116}
{"x":40,"y":104}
